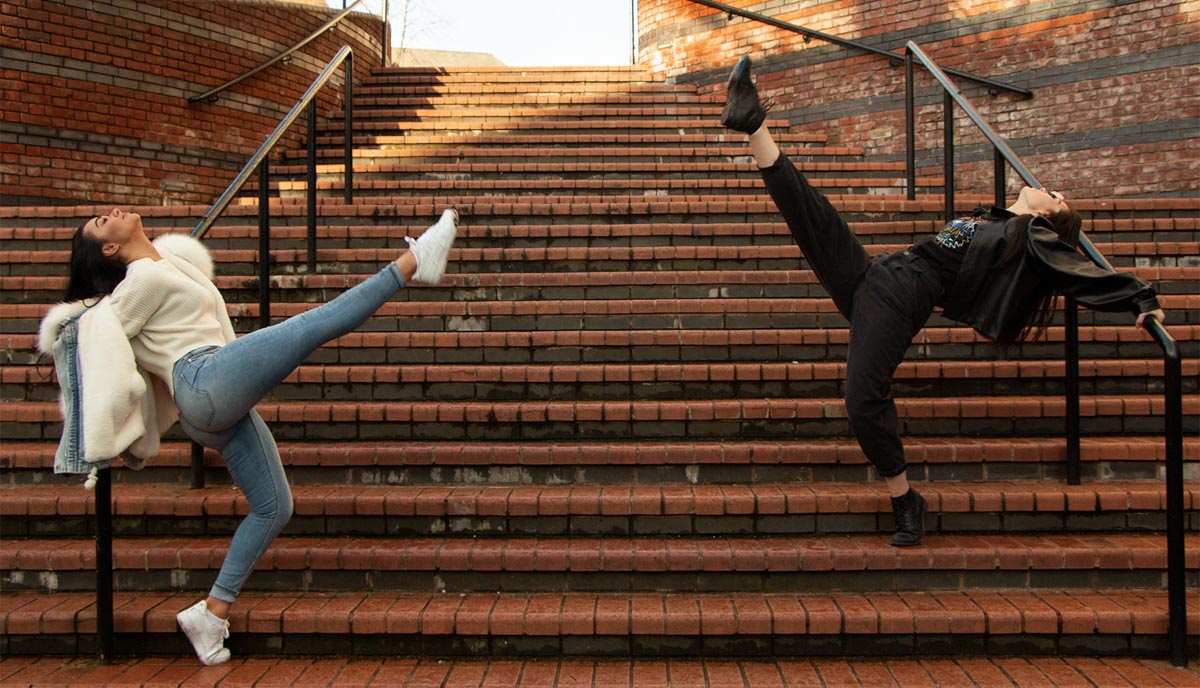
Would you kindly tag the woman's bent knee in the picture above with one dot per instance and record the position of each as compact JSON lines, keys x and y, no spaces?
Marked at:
{"x":277,"y":512}
{"x":863,"y":407}
{"x":283,"y":510}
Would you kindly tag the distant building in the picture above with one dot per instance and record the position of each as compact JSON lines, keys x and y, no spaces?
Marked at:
{"x":412,"y":57}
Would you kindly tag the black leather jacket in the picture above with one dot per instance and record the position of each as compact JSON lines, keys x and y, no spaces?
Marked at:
{"x":987,"y":294}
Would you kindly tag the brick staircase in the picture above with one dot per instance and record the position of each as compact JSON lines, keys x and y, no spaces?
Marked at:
{"x":616,"y":429}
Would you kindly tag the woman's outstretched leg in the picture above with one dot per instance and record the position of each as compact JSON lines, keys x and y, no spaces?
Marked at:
{"x":841,"y":264}
{"x":763,"y":148}
{"x":834,"y":253}
{"x":238,"y":375}
{"x":216,"y":390}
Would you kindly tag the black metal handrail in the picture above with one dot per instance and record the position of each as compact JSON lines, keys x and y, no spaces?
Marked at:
{"x":892,"y":57}
{"x":211,"y":94}
{"x":258,"y":161}
{"x":1173,"y":384}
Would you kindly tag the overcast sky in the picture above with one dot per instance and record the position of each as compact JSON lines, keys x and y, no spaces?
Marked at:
{"x":519,"y":32}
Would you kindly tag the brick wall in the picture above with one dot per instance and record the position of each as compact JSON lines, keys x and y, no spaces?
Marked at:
{"x":95,"y":93}
{"x":1116,"y":83}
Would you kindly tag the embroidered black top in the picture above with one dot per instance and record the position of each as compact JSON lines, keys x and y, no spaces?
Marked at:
{"x":946,"y":249}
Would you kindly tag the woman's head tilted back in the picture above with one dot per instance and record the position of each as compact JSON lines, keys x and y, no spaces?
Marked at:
{"x":1050,"y":206}
{"x":1066,"y":224}
{"x":97,"y":264}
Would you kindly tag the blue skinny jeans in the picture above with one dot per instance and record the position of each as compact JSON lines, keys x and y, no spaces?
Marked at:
{"x":216,"y":389}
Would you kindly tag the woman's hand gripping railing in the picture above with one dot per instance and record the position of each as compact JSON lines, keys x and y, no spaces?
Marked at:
{"x":1172,"y":374}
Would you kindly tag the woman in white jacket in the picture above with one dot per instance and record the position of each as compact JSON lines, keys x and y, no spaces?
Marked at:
{"x":175,"y":321}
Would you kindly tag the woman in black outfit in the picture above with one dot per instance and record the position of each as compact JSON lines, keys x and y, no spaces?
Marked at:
{"x":997,"y":270}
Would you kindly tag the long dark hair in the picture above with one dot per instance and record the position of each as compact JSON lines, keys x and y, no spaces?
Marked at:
{"x":1033,"y":315}
{"x":92,"y":273}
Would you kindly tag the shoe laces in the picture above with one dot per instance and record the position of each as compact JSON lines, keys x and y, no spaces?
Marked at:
{"x":222,"y":623}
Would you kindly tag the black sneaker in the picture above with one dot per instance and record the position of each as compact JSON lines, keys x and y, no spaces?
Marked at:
{"x":743,"y":112}
{"x":909,"y":511}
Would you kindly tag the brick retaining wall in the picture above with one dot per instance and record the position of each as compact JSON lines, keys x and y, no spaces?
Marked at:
{"x":95,"y":93}
{"x":1117,"y":84}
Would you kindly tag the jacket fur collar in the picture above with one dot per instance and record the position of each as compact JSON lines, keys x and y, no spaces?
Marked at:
{"x":177,"y":245}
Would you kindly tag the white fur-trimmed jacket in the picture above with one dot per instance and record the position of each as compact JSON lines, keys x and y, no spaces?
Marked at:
{"x":110,"y":405}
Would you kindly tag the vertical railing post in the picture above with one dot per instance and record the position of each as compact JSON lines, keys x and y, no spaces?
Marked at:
{"x":1176,"y":579}
{"x":386,"y":39}
{"x":348,"y":126}
{"x":197,"y":466}
{"x":910,"y":128}
{"x":264,"y":244}
{"x":632,"y":32}
{"x":999,"y":184}
{"x":948,"y":156}
{"x":1071,"y":334}
{"x":311,"y":234}
{"x":104,"y":567}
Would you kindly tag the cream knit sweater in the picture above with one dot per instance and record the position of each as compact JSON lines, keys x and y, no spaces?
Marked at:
{"x":165,"y":315}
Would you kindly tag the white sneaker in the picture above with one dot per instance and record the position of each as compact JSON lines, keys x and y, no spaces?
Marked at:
{"x":207,"y":633}
{"x":432,"y":248}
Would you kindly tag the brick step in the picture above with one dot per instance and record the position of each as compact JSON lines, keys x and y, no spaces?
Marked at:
{"x":489,"y":244}
{"x":598,"y":211}
{"x":486,"y":244}
{"x":614,"y":138}
{"x":465,"y":153}
{"x":1021,"y":507}
{"x":939,"y":345}
{"x":705,"y":419}
{"x":433,"y":90}
{"x":656,"y":170}
{"x":1121,"y":621}
{"x":571,"y":287}
{"x":548,"y":286}
{"x":593,"y":184}
{"x":1102,"y":215}
{"x":535,"y":126}
{"x":504,"y":74}
{"x":544,"y":259}
{"x":863,"y":563}
{"x":1118,"y":458}
{"x":379,"y":185}
{"x":434,"y":87}
{"x":385,"y":96}
{"x":815,"y":168}
{"x":540,"y":112}
{"x":370,"y":94}
{"x":383,"y":342}
{"x":604,"y":673}
{"x":483,"y":248}
{"x":617,"y":381}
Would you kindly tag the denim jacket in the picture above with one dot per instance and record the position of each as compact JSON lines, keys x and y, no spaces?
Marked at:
{"x":111,"y":406}
{"x":69,"y":457}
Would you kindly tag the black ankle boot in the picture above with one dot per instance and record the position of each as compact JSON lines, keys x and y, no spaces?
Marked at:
{"x":909,"y":511}
{"x":743,"y":111}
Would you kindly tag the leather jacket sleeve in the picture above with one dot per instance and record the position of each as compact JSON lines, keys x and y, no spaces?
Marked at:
{"x":1074,"y":275}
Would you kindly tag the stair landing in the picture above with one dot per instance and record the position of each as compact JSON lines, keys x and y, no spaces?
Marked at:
{"x":580,"y":673}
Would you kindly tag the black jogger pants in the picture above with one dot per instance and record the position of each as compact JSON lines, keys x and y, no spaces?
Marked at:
{"x":886,"y":300}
